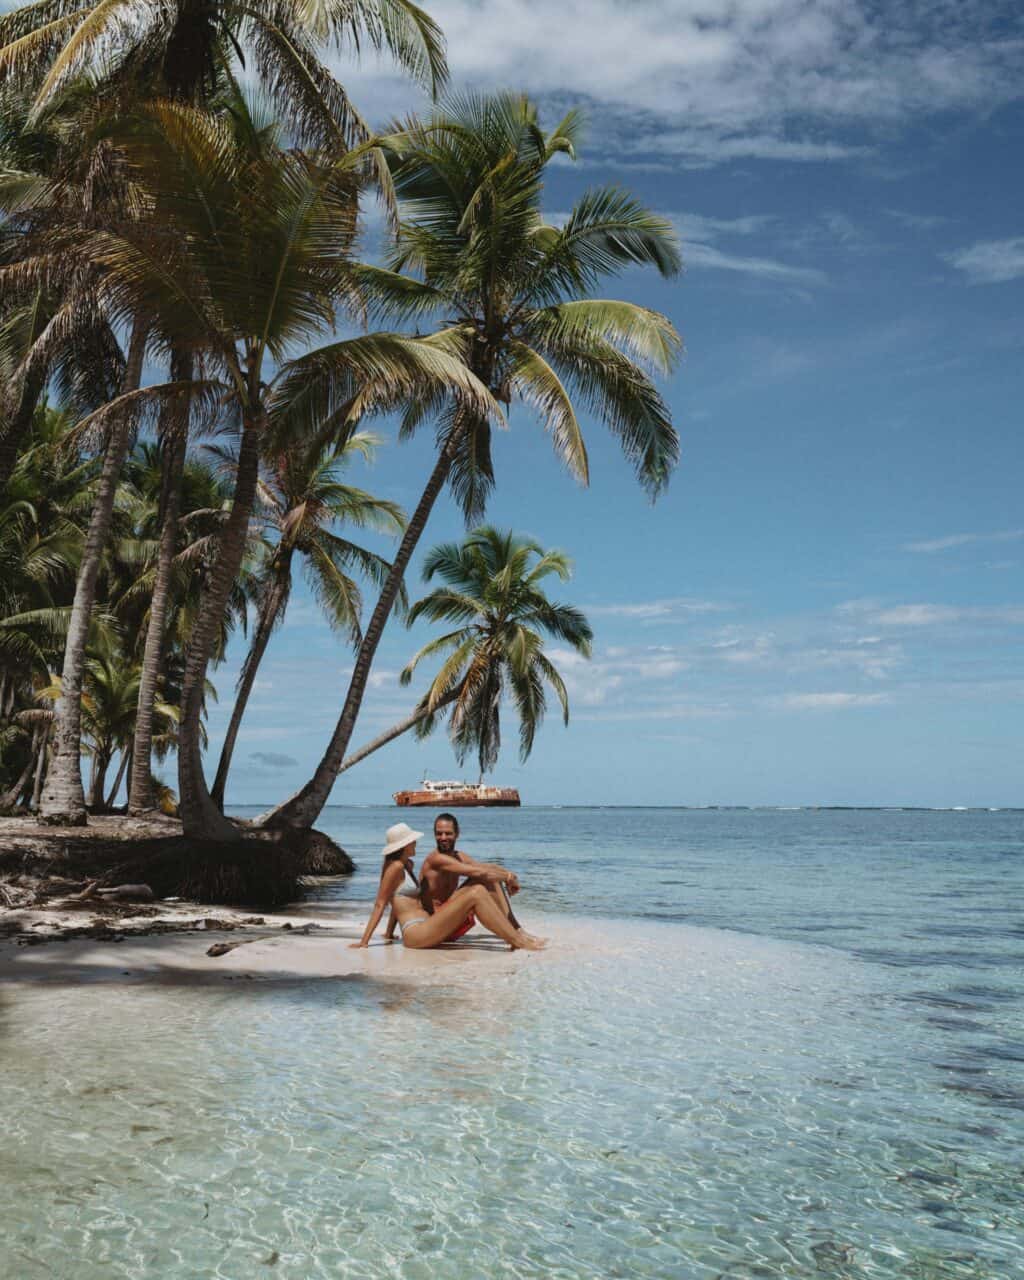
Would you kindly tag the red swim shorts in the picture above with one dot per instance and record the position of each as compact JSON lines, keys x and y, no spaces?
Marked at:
{"x":465,"y":927}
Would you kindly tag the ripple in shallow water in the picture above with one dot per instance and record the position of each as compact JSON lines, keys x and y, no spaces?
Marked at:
{"x":646,"y":1101}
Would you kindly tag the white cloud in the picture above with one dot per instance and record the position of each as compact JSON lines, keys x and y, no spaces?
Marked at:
{"x":929,"y":545}
{"x":591,"y":681}
{"x":782,"y":80}
{"x":697,"y":226}
{"x":710,"y":258}
{"x":917,"y":615}
{"x":827,"y":701}
{"x":991,"y":261}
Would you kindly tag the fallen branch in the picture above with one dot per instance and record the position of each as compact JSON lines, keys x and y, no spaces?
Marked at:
{"x":117,"y":893}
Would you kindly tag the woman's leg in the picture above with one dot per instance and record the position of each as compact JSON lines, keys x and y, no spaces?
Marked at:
{"x":447,"y":918}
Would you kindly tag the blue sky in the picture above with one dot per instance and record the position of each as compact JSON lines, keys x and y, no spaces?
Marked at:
{"x":826,"y":605}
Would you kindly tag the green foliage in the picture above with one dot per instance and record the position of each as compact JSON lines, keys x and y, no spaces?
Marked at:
{"x":473,"y":248}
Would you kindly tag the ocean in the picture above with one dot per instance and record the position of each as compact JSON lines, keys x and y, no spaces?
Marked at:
{"x":763,"y":1043}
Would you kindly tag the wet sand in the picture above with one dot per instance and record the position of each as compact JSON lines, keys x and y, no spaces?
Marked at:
{"x":286,"y":946}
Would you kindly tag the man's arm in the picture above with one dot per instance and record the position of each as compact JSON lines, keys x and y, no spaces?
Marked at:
{"x":490,"y":872}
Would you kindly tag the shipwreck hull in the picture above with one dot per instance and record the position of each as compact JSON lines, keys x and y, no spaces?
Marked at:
{"x":494,"y":797}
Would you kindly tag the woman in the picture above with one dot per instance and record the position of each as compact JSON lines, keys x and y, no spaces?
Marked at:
{"x":420,"y":930}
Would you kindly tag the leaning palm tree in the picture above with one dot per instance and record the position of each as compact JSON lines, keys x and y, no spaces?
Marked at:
{"x":496,"y":652}
{"x":512,"y":294}
{"x":255,"y":264}
{"x":302,"y":497}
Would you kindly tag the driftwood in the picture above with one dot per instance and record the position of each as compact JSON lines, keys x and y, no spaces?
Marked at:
{"x":117,"y":893}
{"x":222,"y":948}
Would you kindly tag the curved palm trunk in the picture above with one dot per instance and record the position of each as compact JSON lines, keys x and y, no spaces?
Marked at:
{"x":122,"y":769}
{"x":9,"y":798}
{"x":389,"y":735}
{"x":37,"y":786}
{"x":98,"y":780}
{"x":268,"y":616}
{"x":200,"y":817}
{"x":175,"y":432}
{"x":303,"y":809}
{"x":63,"y":800}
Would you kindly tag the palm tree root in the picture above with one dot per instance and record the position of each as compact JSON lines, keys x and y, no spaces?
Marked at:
{"x":261,"y":869}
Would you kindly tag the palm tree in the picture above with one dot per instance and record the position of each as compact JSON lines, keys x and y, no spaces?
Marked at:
{"x":173,"y":435}
{"x":109,"y":702}
{"x":493,"y":592}
{"x":302,"y":496}
{"x":41,"y":518}
{"x":74,"y":183}
{"x":157,"y":567}
{"x":122,"y":52}
{"x":63,"y":801}
{"x":257,"y":264}
{"x":512,"y":293}
{"x":53,"y":329}
{"x":187,"y":49}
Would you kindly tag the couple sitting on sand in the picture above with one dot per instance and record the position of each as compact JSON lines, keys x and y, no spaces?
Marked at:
{"x":441,"y":910}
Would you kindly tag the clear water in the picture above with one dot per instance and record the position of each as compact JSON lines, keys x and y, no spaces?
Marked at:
{"x":764,"y":1044}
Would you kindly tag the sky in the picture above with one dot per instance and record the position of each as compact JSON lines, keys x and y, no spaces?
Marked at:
{"x":826,"y":605}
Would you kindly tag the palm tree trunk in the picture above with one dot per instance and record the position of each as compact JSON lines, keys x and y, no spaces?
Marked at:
{"x":63,"y":801}
{"x":98,"y":781}
{"x":268,"y":616}
{"x":10,"y":797}
{"x":201,"y":819}
{"x":175,"y":433}
{"x":396,"y":731}
{"x":121,"y":771}
{"x":37,"y":786}
{"x":303,"y":808}
{"x":18,"y":424}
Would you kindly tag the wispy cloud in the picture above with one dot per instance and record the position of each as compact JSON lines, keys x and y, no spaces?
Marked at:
{"x":708,"y":257}
{"x":827,"y":701}
{"x":930,"y":545}
{"x":990,"y":261}
{"x":672,"y":710}
{"x":872,"y":613}
{"x":674,"y":606}
{"x":918,"y":221}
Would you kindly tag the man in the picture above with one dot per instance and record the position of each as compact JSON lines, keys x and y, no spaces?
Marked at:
{"x":443,"y":868}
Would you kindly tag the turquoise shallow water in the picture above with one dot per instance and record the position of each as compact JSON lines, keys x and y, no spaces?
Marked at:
{"x":782,"y":1045}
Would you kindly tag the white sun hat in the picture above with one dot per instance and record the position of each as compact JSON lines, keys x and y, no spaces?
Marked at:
{"x":398,"y":837}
